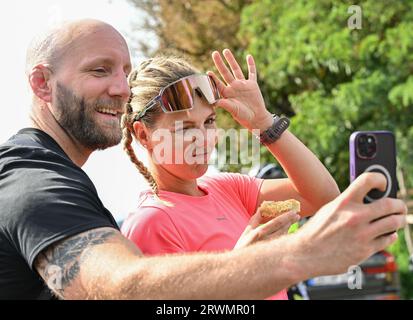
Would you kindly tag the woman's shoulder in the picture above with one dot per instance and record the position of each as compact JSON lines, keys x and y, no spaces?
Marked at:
{"x":144,"y":216}
{"x":148,"y":205}
{"x":225,"y":178}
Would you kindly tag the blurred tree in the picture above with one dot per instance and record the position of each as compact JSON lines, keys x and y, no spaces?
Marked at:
{"x":193,"y":28}
{"x":336,"y":80}
{"x":399,"y":250}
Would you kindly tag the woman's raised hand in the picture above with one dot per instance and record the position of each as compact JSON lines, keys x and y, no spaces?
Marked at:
{"x":241,"y":97}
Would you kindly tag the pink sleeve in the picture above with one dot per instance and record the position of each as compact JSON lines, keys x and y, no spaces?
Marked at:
{"x":248,"y":188}
{"x":153,"y":231}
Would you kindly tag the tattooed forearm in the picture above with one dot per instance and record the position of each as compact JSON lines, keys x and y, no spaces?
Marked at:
{"x":60,"y":264}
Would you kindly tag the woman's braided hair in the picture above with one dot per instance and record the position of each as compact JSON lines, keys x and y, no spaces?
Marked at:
{"x":146,"y":82}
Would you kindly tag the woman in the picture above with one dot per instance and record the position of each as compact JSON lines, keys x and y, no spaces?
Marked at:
{"x":186,"y":211}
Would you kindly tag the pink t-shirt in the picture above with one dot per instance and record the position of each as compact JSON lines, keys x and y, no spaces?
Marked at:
{"x":213,"y":222}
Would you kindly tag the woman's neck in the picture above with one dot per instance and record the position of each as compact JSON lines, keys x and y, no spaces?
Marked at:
{"x":171,"y":183}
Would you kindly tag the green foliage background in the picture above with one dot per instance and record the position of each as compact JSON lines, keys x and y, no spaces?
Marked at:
{"x":336,"y":80}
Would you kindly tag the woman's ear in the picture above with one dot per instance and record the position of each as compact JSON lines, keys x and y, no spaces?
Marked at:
{"x":142,"y":133}
{"x":39,"y":82}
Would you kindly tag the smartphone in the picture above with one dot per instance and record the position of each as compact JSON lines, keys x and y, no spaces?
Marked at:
{"x":374,"y":151}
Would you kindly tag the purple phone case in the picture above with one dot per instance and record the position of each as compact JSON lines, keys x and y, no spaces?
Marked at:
{"x":384,"y":161}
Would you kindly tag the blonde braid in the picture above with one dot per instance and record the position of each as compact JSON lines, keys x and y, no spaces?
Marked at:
{"x":127,"y":139}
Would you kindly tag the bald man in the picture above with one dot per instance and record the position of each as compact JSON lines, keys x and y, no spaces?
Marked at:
{"x":58,"y":240}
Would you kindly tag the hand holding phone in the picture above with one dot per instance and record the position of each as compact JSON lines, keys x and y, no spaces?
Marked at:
{"x":374,"y":151}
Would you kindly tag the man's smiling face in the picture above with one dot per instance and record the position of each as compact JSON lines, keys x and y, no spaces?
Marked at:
{"x":90,"y":87}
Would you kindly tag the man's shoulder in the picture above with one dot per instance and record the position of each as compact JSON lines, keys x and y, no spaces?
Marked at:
{"x":31,"y":150}
{"x":33,"y":171}
{"x":27,"y":142}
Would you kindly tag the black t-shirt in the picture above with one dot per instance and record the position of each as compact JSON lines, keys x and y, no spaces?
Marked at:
{"x":44,"y":198}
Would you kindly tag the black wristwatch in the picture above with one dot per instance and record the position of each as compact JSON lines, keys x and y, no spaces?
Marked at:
{"x":274,"y":132}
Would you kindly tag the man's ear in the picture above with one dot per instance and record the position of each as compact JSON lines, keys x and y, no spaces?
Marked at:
{"x":142,"y":134}
{"x":39,"y":79}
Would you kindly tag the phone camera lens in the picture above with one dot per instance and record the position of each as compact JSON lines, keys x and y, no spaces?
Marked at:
{"x":366,"y":146}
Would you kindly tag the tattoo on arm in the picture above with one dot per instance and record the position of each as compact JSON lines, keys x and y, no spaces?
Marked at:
{"x":60,"y":263}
